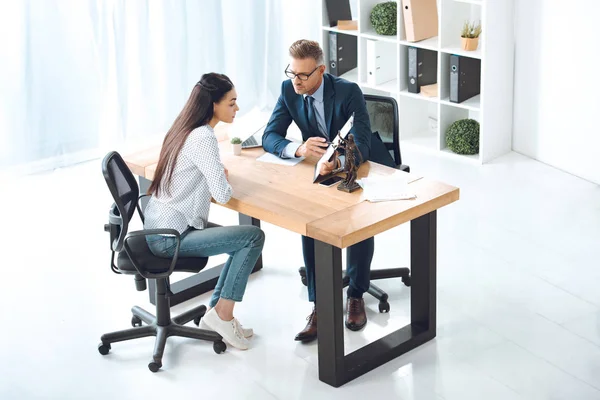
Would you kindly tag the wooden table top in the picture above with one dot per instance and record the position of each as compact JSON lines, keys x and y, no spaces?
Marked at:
{"x":285,"y":196}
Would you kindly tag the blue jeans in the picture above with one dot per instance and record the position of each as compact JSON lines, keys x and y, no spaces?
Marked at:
{"x":243,"y":243}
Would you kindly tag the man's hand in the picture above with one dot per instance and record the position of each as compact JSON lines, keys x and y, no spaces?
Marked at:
{"x":327,"y":167}
{"x":314,"y":146}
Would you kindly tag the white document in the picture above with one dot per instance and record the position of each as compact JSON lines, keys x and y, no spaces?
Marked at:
{"x":273,"y":159}
{"x":325,"y":158}
{"x":333,"y":146}
{"x":386,"y":188}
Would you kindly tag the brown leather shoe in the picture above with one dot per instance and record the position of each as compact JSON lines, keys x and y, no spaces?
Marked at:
{"x":309,"y":333}
{"x":356,"y":317}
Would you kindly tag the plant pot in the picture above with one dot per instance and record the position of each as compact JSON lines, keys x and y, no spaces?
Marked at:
{"x":236,"y":149}
{"x":469,"y":44}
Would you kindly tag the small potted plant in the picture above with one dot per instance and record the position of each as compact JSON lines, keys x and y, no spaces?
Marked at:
{"x":469,"y":36}
{"x":462,"y":137}
{"x":236,"y":146}
{"x":383,"y":18}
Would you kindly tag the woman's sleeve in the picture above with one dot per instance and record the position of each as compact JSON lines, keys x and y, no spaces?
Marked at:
{"x":208,"y":160}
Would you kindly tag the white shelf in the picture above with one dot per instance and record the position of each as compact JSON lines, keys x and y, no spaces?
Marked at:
{"x":419,"y":96}
{"x":342,"y":31}
{"x":474,"y":103}
{"x":424,"y":141}
{"x":476,"y":2}
{"x":459,"y":51}
{"x":390,"y":86}
{"x":492,"y":108}
{"x":351,"y":75}
{"x":474,"y":159}
{"x":429,"y":44}
{"x":370,"y":34}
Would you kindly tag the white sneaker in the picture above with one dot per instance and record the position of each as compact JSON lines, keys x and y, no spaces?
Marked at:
{"x":228,"y":329}
{"x":246,"y":332}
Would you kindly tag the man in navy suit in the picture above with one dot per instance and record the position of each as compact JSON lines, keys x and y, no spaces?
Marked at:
{"x":320,"y":104}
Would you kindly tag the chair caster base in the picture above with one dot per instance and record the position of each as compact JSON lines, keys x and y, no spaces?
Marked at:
{"x":384,"y":307}
{"x":154,"y":366}
{"x":104,"y":348}
{"x":219,"y":347}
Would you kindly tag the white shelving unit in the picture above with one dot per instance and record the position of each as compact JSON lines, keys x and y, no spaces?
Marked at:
{"x":424,"y":120}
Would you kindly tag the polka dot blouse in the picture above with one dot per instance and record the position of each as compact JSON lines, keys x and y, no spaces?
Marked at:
{"x":199,"y":175}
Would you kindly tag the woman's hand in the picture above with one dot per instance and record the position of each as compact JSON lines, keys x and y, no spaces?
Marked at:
{"x":226,"y":174}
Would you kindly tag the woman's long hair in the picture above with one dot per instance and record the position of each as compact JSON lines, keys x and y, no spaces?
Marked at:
{"x":197,"y":111}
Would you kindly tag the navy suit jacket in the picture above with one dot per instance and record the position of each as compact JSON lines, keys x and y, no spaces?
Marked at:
{"x":341,"y":98}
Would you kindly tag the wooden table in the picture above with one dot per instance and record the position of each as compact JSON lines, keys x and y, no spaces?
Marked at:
{"x":285,"y":196}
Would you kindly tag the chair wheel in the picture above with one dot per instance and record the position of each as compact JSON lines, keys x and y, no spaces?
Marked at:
{"x":104,"y":348}
{"x":197,"y":320}
{"x":136,"y":321}
{"x":154,"y":366}
{"x":219,"y":346}
{"x":406,"y":280}
{"x":384,"y":307}
{"x":303,"y":279}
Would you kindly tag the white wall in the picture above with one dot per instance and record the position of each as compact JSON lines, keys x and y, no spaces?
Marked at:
{"x":557,"y":84}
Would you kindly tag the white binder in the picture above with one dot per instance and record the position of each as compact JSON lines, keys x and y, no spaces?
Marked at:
{"x":381,"y":62}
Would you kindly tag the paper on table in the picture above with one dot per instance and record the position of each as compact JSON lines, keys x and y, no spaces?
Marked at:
{"x":273,"y":159}
{"x":324,"y":158}
{"x":386,"y":188}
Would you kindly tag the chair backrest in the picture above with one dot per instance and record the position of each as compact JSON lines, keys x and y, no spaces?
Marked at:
{"x":125,"y":192}
{"x":383,"y":114}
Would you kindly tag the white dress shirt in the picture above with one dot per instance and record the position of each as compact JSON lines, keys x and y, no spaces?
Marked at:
{"x":290,"y":150}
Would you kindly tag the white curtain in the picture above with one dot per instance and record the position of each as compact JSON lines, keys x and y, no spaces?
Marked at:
{"x":78,"y":77}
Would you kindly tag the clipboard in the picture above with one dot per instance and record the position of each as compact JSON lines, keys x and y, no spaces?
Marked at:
{"x":331,"y":150}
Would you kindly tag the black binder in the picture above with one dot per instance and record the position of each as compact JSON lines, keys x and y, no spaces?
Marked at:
{"x":342,"y":53}
{"x":465,"y":78}
{"x":422,"y":68}
{"x":338,"y":10}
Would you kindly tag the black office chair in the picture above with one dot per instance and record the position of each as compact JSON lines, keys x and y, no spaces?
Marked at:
{"x":383,"y":114}
{"x":135,"y":258}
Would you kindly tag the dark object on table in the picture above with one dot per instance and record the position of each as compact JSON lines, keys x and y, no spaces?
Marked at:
{"x":350,"y":166}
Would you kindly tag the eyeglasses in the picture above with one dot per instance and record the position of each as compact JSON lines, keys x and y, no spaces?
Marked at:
{"x":301,"y":76}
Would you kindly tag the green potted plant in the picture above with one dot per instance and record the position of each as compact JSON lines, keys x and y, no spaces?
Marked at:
{"x":469,"y":36}
{"x":462,"y":137}
{"x":384,"y":17}
{"x":236,"y":146}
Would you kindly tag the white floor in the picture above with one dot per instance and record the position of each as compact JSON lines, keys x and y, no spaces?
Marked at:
{"x":518,"y":299}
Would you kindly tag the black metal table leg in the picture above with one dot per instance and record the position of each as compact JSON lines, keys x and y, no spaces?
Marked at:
{"x":336,"y":369}
{"x":330,"y":312}
{"x":423,"y":259}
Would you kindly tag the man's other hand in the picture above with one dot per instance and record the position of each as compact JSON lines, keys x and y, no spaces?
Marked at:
{"x":314,"y":146}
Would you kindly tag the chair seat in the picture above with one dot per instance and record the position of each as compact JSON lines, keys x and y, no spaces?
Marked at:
{"x":153,"y":264}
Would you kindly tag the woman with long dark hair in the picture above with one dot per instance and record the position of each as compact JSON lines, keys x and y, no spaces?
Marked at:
{"x":188,"y":175}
